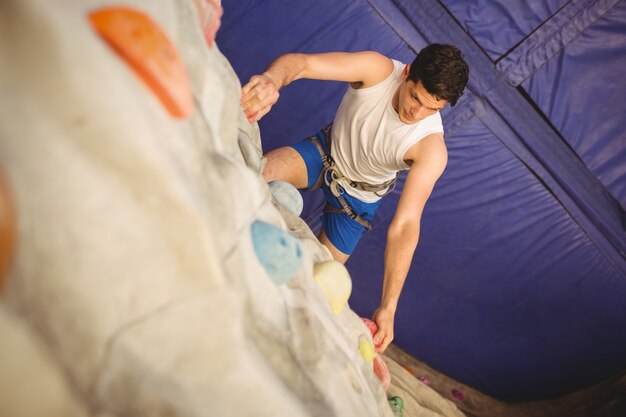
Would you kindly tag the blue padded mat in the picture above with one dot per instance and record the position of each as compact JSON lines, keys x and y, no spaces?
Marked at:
{"x":518,"y":284}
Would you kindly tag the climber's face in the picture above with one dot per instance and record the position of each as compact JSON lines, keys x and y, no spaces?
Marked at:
{"x":413,"y":102}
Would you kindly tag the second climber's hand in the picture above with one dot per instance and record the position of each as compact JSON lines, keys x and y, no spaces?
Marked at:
{"x":383,"y":317}
{"x":258,"y":96}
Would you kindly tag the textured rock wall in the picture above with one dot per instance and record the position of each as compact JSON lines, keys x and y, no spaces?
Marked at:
{"x":135,"y":266}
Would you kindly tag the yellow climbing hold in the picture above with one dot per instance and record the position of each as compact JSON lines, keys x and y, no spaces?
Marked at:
{"x":334,"y":279}
{"x":366,"y":347}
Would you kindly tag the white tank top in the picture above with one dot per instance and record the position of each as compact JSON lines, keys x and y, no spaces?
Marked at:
{"x":369,"y":140}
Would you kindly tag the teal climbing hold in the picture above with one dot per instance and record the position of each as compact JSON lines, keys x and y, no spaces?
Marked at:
{"x":287,"y":195}
{"x":397,"y":404}
{"x":279,"y":252}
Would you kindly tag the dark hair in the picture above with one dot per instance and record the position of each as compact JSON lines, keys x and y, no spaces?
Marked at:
{"x":442,"y":70}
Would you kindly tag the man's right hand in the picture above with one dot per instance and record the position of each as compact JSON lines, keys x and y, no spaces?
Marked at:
{"x":384,"y":318}
{"x":258,"y":96}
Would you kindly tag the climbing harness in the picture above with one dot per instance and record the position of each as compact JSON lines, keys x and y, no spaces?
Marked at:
{"x":332,"y":176}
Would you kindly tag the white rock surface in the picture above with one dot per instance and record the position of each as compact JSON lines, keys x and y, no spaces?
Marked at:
{"x":135,"y":264}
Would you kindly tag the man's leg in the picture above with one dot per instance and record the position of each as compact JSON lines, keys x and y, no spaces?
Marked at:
{"x":338,"y":255}
{"x":295,"y":167}
{"x":286,"y":164}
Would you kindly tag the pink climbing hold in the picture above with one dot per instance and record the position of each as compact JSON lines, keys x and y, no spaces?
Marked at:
{"x":458,"y":395}
{"x":424,"y":380}
{"x":209,"y":13}
{"x":373,"y":328}
{"x":382,"y":372}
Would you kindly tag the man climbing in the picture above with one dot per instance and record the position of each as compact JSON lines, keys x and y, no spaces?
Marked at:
{"x":388,"y":121}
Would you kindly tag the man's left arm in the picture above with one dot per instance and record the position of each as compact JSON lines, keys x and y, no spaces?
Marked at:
{"x":428,"y":159}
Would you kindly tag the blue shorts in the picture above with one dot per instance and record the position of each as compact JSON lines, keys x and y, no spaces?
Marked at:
{"x":343,"y":231}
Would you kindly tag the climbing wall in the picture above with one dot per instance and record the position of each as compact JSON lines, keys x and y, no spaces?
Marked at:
{"x":156,"y":271}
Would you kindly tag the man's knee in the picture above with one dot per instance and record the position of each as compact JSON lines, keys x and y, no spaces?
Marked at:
{"x":285,"y":164}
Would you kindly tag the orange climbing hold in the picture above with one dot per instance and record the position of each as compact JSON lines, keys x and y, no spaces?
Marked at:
{"x":149,"y":52}
{"x":8,"y":227}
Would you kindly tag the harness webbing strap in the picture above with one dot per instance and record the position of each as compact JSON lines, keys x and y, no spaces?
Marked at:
{"x":345,"y":208}
{"x":327,"y":160}
{"x":330,"y":170}
{"x":334,"y":188}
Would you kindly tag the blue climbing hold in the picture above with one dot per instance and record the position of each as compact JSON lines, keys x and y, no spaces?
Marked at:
{"x":287,"y":195}
{"x":279,"y":252}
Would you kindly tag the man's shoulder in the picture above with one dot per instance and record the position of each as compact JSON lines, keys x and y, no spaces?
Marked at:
{"x":378,"y":66}
{"x":430,"y":123}
{"x":426,"y":127}
{"x":431,"y":148}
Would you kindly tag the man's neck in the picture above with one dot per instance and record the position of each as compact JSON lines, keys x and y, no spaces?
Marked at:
{"x":394,"y":99}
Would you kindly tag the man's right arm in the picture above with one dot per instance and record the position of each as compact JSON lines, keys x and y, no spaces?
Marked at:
{"x":361,"y":69}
